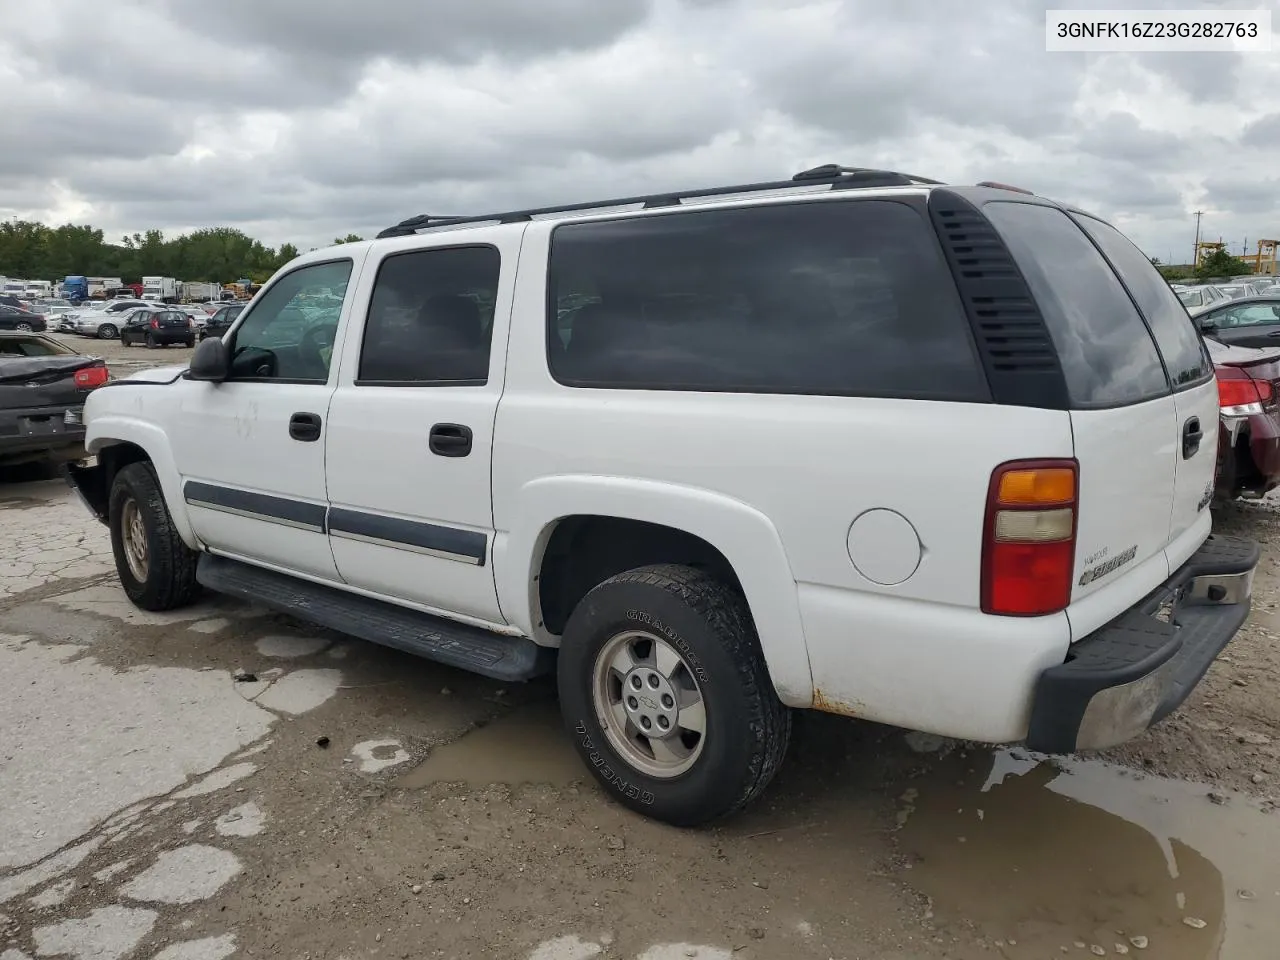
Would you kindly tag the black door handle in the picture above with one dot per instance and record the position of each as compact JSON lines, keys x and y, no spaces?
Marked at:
{"x":450,"y":440}
{"x":1191,"y":437}
{"x":305,"y":427}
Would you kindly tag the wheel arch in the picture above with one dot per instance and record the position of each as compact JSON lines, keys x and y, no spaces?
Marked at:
{"x":704,"y":528}
{"x":119,"y":441}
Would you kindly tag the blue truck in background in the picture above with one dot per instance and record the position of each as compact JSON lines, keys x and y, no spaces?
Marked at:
{"x":75,"y":289}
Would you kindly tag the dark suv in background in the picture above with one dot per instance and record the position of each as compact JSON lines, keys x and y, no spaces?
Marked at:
{"x":158,"y":328}
{"x":221,"y":321}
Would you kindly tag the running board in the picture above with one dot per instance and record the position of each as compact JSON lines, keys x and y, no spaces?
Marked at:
{"x":489,"y":654}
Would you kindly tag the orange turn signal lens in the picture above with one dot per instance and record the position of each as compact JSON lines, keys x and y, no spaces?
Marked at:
{"x":1033,"y":488}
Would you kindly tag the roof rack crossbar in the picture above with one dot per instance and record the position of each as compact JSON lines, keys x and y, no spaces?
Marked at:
{"x":838,"y":178}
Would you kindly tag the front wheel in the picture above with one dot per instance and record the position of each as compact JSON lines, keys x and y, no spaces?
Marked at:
{"x":156,"y":569}
{"x":108,"y":331}
{"x":24,"y":327}
{"x":665,"y":692}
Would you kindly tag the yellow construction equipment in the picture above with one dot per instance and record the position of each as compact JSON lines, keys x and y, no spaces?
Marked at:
{"x":1261,"y":263}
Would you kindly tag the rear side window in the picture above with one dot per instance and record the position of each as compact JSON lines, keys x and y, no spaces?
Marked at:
{"x":1106,"y":352}
{"x":847,"y":298}
{"x":431,"y":318}
{"x":1184,"y":352}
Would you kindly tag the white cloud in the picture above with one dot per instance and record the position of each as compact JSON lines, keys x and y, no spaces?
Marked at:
{"x":297,"y":121}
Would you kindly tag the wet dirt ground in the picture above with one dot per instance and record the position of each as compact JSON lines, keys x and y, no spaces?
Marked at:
{"x":124,"y":360}
{"x":340,"y":800}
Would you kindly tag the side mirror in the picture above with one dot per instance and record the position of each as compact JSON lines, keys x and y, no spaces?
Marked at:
{"x":1207,"y":323}
{"x":210,"y":361}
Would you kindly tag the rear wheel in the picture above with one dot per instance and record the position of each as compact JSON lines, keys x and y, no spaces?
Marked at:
{"x":156,"y":569}
{"x":151,"y":341}
{"x":108,"y":331}
{"x":665,"y":692}
{"x":191,"y":342}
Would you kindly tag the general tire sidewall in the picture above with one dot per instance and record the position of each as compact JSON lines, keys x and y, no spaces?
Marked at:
{"x":158,"y":566}
{"x":718,"y":777}
{"x":108,"y":332}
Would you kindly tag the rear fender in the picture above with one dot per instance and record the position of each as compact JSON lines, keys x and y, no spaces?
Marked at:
{"x":743,"y":534}
{"x":108,"y":429}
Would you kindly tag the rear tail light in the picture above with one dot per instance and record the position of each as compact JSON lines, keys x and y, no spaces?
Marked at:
{"x":1029,"y":538}
{"x":155,"y":324}
{"x":1239,"y":395}
{"x":90,"y":377}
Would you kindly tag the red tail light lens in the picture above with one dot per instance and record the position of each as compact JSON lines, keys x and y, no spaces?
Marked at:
{"x":1029,"y":538}
{"x":1239,"y":395}
{"x":155,"y":324}
{"x":90,"y":377}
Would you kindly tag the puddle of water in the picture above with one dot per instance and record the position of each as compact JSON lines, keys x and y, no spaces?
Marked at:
{"x":1042,"y":857}
{"x":528,"y":745}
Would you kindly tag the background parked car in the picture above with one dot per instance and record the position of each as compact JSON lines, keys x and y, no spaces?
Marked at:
{"x":1205,"y":295}
{"x":1249,"y":405}
{"x":158,"y":328}
{"x":16,"y":318}
{"x":51,"y":308}
{"x":104,"y":322}
{"x":221,"y":321}
{"x":1247,"y":322}
{"x":43,"y":386}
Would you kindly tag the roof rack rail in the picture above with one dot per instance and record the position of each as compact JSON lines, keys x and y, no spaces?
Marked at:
{"x":839,"y":178}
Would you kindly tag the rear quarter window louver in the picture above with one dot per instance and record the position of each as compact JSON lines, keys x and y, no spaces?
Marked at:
{"x":1012,"y":338}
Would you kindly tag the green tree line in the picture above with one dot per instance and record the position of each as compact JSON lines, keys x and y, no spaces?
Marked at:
{"x":34,"y":251}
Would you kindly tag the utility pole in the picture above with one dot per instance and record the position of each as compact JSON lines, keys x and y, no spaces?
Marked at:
{"x":1195,"y":257}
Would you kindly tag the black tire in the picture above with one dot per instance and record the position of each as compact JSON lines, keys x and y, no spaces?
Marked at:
{"x":708,"y":623}
{"x":124,"y":339}
{"x":191,"y":342}
{"x":171,"y":568}
{"x":108,"y":331}
{"x":151,"y":342}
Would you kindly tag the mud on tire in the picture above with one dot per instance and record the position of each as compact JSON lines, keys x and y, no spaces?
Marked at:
{"x":708,"y":625}
{"x":169,"y":579}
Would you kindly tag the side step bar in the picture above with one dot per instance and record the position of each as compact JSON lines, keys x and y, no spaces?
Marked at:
{"x":504,"y":658}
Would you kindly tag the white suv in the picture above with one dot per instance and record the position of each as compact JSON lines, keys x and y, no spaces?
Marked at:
{"x":934,"y":456}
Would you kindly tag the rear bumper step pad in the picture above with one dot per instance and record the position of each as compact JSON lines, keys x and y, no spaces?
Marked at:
{"x":1134,"y":672}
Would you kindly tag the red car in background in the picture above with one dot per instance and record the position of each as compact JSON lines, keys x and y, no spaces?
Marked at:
{"x":1249,"y":407}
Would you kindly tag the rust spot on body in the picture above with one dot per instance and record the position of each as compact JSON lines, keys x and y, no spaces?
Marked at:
{"x":828,"y":704}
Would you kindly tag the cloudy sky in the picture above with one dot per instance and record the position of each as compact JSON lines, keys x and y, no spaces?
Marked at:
{"x":298,"y":120}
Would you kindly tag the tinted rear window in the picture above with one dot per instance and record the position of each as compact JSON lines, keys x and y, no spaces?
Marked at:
{"x":1106,"y":352}
{"x":1180,"y":345}
{"x":844,"y":298}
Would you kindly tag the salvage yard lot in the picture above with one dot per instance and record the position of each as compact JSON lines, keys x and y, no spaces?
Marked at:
{"x":246,"y":785}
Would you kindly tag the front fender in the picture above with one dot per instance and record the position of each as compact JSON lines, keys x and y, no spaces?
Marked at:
{"x":745,"y":536}
{"x":108,"y":429}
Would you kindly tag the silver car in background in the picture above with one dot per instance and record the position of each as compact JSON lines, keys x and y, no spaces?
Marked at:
{"x":103,"y":321}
